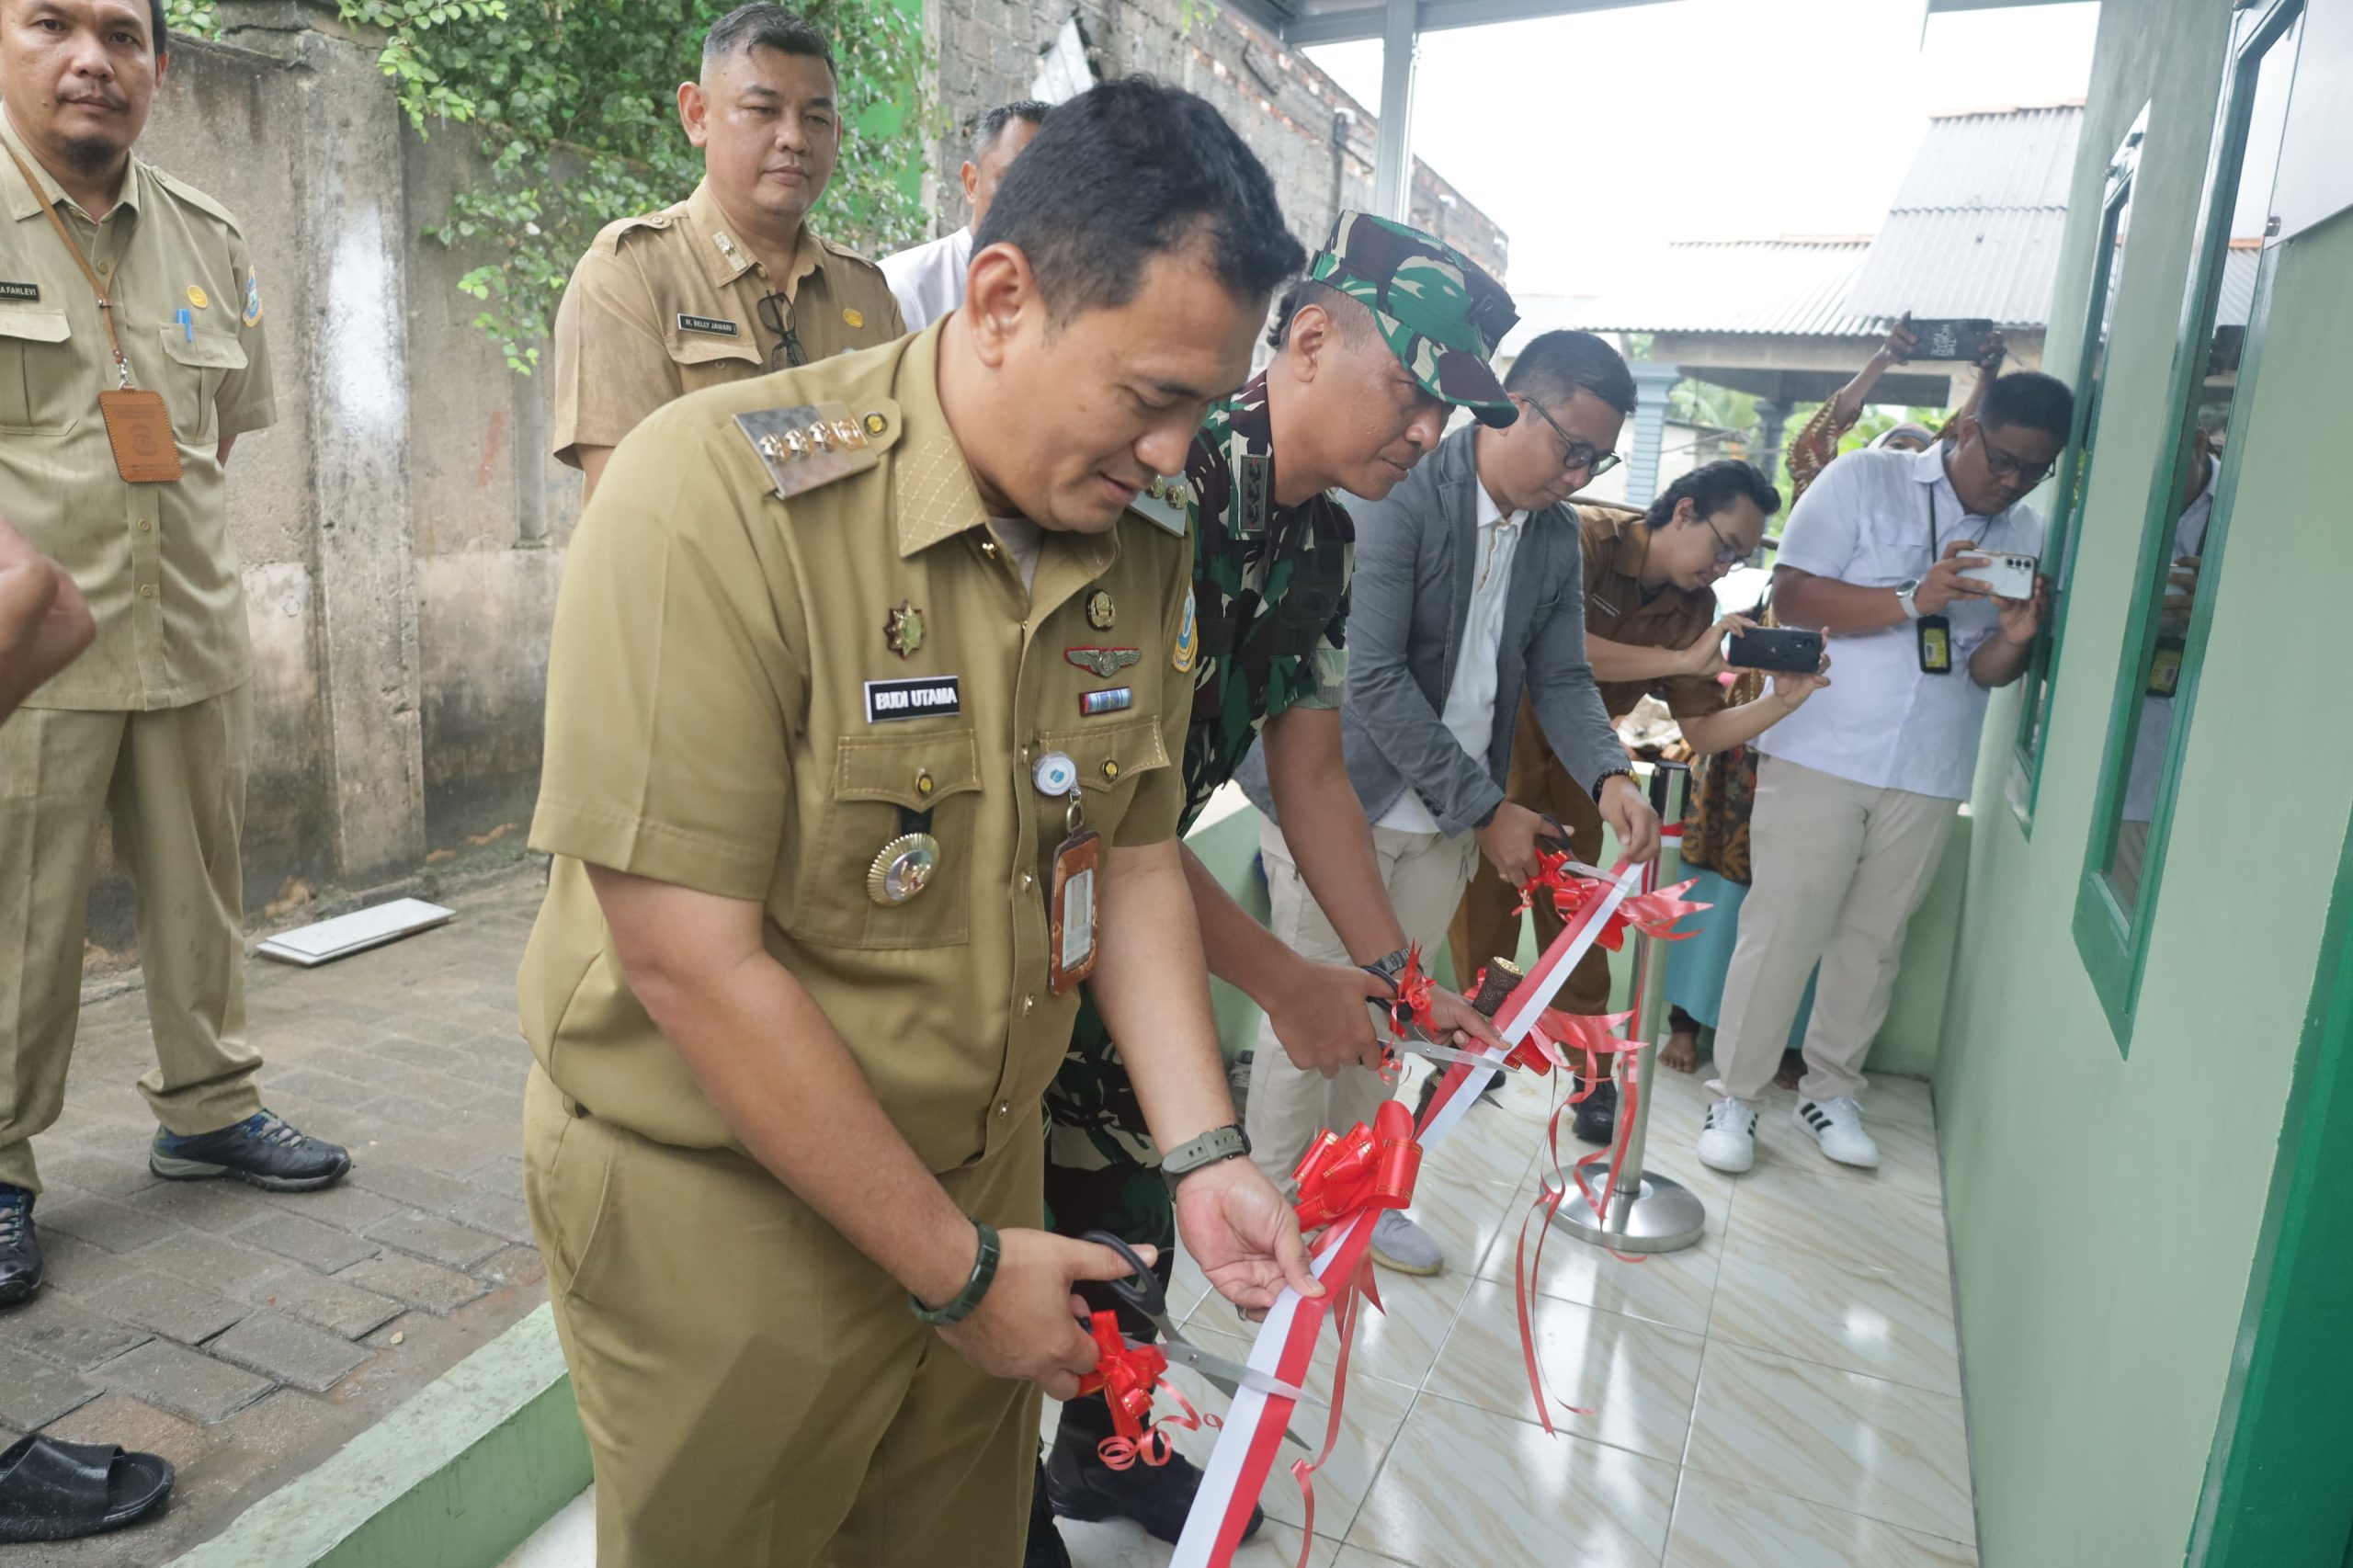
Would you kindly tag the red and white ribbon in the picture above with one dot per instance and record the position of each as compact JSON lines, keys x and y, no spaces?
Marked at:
{"x":1252,"y":1436}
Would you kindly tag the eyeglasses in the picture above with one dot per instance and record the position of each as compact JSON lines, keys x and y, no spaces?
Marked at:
{"x":1727,"y":552}
{"x":2001,"y":465}
{"x":776,"y":315}
{"x":1575,"y":454}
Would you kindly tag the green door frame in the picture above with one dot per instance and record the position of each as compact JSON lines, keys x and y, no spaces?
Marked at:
{"x":2278,"y":1490}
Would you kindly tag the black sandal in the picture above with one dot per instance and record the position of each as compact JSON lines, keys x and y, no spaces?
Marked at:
{"x":53,"y":1491}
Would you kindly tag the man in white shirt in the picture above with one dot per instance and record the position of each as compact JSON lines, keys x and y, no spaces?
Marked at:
{"x":1467,"y":588}
{"x":928,"y":279}
{"x":1858,"y":789}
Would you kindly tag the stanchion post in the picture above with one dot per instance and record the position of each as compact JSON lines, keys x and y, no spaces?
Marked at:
{"x":1647,"y":1213}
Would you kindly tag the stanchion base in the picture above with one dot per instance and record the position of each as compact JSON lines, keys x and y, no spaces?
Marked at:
{"x":1662,"y":1215}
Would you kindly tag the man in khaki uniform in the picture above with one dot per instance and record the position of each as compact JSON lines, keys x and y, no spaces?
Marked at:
{"x":868,"y":688}
{"x":728,"y":283}
{"x":153,"y":724}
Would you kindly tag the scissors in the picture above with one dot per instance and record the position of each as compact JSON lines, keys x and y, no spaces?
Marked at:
{"x":1146,"y":1295}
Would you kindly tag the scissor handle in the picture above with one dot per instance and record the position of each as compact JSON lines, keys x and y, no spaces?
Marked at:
{"x":1144,"y":1293}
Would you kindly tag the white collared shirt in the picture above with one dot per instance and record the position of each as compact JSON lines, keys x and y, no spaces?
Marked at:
{"x":1882,"y":721}
{"x":928,"y":279}
{"x":1470,"y":698}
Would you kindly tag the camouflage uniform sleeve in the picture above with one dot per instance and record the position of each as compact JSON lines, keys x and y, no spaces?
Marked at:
{"x":1330,"y":656}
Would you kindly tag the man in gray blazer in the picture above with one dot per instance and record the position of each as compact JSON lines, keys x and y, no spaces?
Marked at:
{"x":1468,"y":588}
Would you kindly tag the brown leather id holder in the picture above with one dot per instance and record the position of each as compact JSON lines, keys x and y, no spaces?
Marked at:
{"x":139,"y":428}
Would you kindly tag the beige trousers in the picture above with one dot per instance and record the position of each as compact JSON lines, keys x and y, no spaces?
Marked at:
{"x":173,"y":782}
{"x":754,"y":1391}
{"x":1839,"y":868}
{"x":1424,"y":873}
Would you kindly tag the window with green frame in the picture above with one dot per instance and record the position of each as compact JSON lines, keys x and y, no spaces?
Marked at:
{"x":2076,"y":468}
{"x":2181,"y":548}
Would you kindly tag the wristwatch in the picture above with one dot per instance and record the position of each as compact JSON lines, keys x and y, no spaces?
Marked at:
{"x":1389,"y":966}
{"x":1218,"y":1143}
{"x":1603,"y":782}
{"x":1903,"y":592}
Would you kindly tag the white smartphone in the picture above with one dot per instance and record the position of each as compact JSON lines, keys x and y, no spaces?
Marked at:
{"x":2009,"y":576}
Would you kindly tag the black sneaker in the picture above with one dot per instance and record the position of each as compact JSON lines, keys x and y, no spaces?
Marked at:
{"x":1045,"y":1549}
{"x":1430,"y":1091}
{"x":1597,"y":1120}
{"x":261,"y":1150}
{"x":19,"y":1246}
{"x":1082,"y":1487}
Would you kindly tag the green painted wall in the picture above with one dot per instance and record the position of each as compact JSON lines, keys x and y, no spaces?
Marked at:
{"x":2104,"y":1211}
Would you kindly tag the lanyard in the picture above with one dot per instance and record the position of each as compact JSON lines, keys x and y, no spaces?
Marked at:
{"x":1928,"y":493}
{"x":97,"y":284}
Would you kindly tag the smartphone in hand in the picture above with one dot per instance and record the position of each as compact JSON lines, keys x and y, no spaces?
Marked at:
{"x":1786,"y":649}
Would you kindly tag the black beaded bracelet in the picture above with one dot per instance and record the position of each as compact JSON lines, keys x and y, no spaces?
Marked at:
{"x":1603,"y":782}
{"x":975,"y":1286}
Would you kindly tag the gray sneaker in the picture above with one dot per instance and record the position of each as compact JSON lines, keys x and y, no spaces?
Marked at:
{"x":1400,"y":1244}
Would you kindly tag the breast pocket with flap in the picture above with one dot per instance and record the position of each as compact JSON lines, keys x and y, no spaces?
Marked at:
{"x":883,"y":789}
{"x":45,"y":388}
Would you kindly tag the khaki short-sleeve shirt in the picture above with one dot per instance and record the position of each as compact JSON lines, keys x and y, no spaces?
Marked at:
{"x":1614,"y":543}
{"x":668,"y":303}
{"x":739,"y":702}
{"x":155,"y":561}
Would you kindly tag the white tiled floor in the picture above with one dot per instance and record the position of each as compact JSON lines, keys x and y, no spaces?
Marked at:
{"x":1785,"y":1395}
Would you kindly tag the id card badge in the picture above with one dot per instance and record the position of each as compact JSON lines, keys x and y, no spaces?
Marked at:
{"x":139,"y":428}
{"x":1069,"y":912}
{"x":1936,"y":645}
{"x":2165,"y":670}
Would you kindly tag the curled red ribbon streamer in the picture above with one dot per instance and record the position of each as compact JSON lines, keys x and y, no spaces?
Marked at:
{"x":1126,"y":1376}
{"x":1368,"y":1167}
{"x":1340,"y":1177}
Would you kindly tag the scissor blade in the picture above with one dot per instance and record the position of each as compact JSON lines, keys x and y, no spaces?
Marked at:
{"x":1232,"y":1376}
{"x":1420,"y":1044}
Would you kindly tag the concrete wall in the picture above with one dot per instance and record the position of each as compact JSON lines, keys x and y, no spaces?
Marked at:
{"x":2105,"y":1207}
{"x":1315,"y":140}
{"x":397,"y":525}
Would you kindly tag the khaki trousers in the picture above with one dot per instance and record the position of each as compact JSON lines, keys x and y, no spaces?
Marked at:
{"x":1840,"y":867}
{"x":754,"y":1391}
{"x":1486,"y":926}
{"x":173,"y":783}
{"x":1424,"y":873}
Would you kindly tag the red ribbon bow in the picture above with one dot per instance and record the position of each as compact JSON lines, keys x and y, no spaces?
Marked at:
{"x":1126,"y":1375}
{"x":1652,"y":913}
{"x":1370,"y":1167}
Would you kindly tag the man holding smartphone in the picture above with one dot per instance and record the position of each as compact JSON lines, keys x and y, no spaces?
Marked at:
{"x":1650,"y":626}
{"x":1857,"y":794}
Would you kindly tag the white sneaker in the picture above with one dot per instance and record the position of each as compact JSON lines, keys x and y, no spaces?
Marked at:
{"x":1837,"y":1126}
{"x":1728,"y":1143}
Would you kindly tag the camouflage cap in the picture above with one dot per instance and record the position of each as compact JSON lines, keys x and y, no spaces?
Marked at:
{"x":1436,"y":308}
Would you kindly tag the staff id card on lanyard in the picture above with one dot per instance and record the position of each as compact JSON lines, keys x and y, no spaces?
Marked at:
{"x":1070,"y":904}
{"x":139,"y":427}
{"x":1935,"y":631}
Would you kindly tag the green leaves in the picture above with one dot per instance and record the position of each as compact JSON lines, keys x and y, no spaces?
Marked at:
{"x":573,"y":103}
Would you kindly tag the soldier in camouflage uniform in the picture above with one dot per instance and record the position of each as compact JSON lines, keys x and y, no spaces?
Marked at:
{"x":1390,"y":328}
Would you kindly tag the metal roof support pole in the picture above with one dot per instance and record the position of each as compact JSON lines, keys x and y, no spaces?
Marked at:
{"x":1772,"y":418}
{"x":1392,"y":169}
{"x":1652,"y":385}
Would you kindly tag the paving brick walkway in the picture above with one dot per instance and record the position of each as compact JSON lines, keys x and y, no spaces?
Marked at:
{"x":247,"y":1335}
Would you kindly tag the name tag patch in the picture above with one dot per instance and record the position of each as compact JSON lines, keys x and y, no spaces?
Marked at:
{"x":710,"y":324}
{"x":20,"y":290}
{"x":934,"y":698}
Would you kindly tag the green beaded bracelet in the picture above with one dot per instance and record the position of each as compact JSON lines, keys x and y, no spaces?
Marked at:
{"x":975,"y":1286}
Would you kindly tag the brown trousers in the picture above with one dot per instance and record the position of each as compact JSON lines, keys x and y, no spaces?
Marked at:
{"x":173,"y":783}
{"x":755,"y":1393}
{"x":1484,"y":927}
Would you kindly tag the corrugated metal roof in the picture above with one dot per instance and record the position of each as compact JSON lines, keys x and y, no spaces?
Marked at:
{"x":1975,"y":228}
{"x":1793,"y":287}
